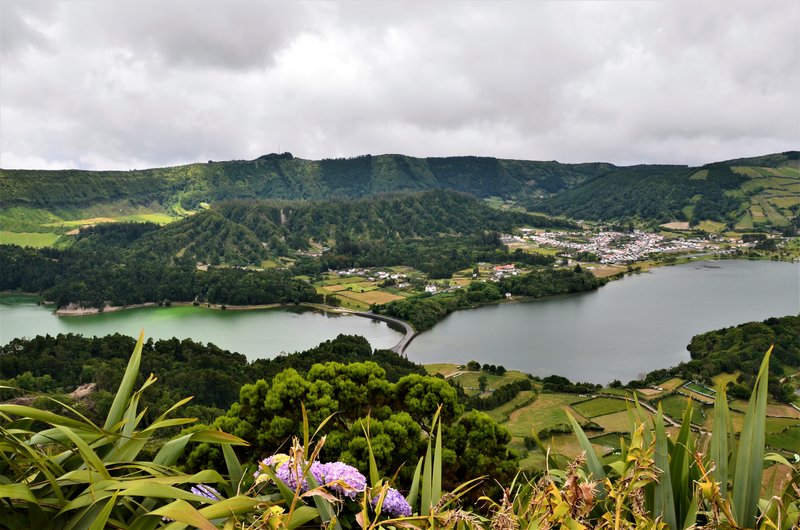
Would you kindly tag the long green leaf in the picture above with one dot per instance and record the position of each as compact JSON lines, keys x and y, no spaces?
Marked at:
{"x":100,"y":521}
{"x":171,"y":451}
{"x":415,"y":483}
{"x":125,"y":391}
{"x":17,"y":491}
{"x":750,"y":457}
{"x":592,"y":460}
{"x":301,"y":516}
{"x":680,"y":457}
{"x":436,"y":482}
{"x":235,"y":471}
{"x":184,"y":512}
{"x":719,"y":440}
{"x":427,"y":471}
{"x":374,"y":474}
{"x":664,"y":502}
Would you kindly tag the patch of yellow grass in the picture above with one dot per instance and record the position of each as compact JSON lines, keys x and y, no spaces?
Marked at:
{"x":370,"y":297}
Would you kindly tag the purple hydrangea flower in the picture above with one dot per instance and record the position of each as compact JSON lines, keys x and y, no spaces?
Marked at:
{"x":206,"y":491}
{"x":289,"y":473}
{"x":339,"y":471}
{"x":394,"y":504}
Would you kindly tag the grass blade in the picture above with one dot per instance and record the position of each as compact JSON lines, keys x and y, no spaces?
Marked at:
{"x":719,"y":440}
{"x":436,"y":479}
{"x":592,"y":461}
{"x":125,"y":391}
{"x":750,"y":457}
{"x":664,"y":501}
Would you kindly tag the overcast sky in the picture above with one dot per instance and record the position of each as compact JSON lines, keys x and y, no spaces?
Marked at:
{"x":133,"y":84}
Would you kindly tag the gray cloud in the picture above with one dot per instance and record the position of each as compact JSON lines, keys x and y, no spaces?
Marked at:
{"x":133,"y":84}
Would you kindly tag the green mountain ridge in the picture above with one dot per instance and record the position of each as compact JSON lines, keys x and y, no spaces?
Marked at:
{"x":282,"y":176}
{"x":743,"y":193}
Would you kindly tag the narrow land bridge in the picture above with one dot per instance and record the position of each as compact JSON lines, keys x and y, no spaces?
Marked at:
{"x":401,"y":346}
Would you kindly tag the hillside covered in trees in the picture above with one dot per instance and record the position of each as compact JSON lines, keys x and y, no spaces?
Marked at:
{"x":739,"y":193}
{"x":282,"y":176}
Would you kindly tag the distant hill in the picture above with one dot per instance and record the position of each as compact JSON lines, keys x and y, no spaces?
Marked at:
{"x":743,"y":193}
{"x":247,"y":232}
{"x":282,"y":176}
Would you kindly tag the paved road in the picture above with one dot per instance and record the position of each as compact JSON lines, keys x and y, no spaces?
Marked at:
{"x":401,"y":346}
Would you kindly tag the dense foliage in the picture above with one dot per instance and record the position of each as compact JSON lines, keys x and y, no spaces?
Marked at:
{"x":285,"y":177}
{"x":737,"y":348}
{"x":661,"y":193}
{"x":58,"y":471}
{"x":360,"y":397}
{"x":425,"y":310}
{"x":47,"y":364}
{"x":93,"y":278}
{"x":382,"y":217}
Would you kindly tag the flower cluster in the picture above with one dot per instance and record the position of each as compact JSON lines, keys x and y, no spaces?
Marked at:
{"x":338,"y":477}
{"x":394,"y":504}
{"x":291,"y":471}
{"x":343,"y":478}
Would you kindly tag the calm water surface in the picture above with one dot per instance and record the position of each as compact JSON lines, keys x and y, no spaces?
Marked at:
{"x":257,"y":334}
{"x":626,"y":328}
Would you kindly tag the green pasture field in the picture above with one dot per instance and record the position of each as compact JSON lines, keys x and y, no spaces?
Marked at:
{"x":699,"y":389}
{"x":788,"y":439}
{"x":600,"y":406}
{"x":675,"y":405}
{"x":745,"y":221}
{"x":616,"y":422}
{"x":725,"y":378}
{"x":757,"y":212}
{"x":610,"y":439}
{"x":546,"y":412}
{"x":441,"y":368}
{"x":711,"y":226}
{"x":340,"y":280}
{"x":469,"y":380}
{"x":773,"y":215}
{"x":502,"y":414}
{"x":28,"y":239}
{"x":785,"y":201}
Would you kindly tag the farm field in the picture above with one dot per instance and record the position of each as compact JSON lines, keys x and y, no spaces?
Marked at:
{"x":28,"y":239}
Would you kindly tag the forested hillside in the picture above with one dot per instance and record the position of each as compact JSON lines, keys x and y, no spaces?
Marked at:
{"x":285,"y":177}
{"x":739,"y":193}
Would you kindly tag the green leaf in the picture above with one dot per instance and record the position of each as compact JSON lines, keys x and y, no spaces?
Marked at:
{"x":44,"y":416}
{"x":750,"y":457}
{"x":414,"y":491}
{"x":100,"y":522}
{"x":436,"y":483}
{"x":374,"y":474}
{"x":17,"y":491}
{"x":592,"y":460}
{"x":125,"y":391}
{"x":719,"y":440}
{"x":680,"y":457}
{"x":664,"y":502}
{"x":234,"y":467}
{"x":301,"y":516}
{"x":171,"y":451}
{"x":184,"y":512}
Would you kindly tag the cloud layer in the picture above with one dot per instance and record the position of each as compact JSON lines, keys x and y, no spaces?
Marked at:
{"x":125,"y":84}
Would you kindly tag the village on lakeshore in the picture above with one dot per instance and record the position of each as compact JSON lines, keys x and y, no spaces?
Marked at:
{"x":603,"y":250}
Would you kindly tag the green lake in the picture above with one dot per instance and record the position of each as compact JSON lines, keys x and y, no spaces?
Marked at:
{"x":624,"y":329}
